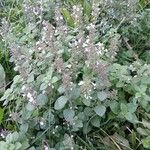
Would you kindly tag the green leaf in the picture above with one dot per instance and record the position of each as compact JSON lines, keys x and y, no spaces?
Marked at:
{"x":69,"y":114}
{"x":18,"y":145}
{"x":131,"y":117}
{"x":146,"y":142}
{"x":24,"y":127}
{"x":79,"y":123}
{"x":54,"y":79}
{"x":67,"y":17}
{"x":102,"y":95}
{"x":86,"y":102}
{"x":146,"y":124}
{"x":95,"y":121}
{"x":32,"y":148}
{"x":87,"y":8}
{"x":2,"y":78}
{"x":4,"y":145}
{"x":61,"y":89}
{"x":43,"y":86}
{"x":132,"y":107}
{"x":75,"y":93}
{"x":60,"y":102}
{"x":124,"y":108}
{"x":12,"y":137}
{"x":1,"y":115}
{"x":41,"y":99}
{"x":121,"y":140}
{"x":114,"y":106}
{"x":30,"y":106}
{"x":30,"y":78}
{"x":143,"y":131}
{"x":100,"y":110}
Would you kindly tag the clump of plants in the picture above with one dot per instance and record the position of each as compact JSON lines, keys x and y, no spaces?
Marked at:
{"x":71,"y":90}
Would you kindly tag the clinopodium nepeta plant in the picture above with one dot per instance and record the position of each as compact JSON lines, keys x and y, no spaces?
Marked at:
{"x":67,"y":80}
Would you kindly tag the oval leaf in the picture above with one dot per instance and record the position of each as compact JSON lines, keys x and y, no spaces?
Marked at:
{"x":102,"y":95}
{"x":60,"y":102}
{"x":68,"y":114}
{"x":100,"y":110}
{"x":41,"y":99}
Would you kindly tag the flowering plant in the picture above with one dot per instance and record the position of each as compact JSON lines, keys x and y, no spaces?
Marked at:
{"x":69,"y":81}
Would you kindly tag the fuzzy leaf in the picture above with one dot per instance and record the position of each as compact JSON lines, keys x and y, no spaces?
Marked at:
{"x":96,"y":121}
{"x":60,"y":102}
{"x":146,"y":142}
{"x":42,"y":99}
{"x":102,"y":95}
{"x":100,"y":110}
{"x":68,"y":114}
{"x":114,"y":106}
{"x":86,"y":102}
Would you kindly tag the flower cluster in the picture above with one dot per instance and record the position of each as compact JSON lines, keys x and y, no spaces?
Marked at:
{"x":86,"y":88}
{"x":77,"y":14}
{"x":113,"y":46}
{"x":59,"y":57}
{"x":33,"y":11}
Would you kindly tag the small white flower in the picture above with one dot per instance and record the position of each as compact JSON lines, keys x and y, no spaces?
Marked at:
{"x":88,"y":40}
{"x":43,"y":92}
{"x":84,"y":45}
{"x":90,"y":97}
{"x":74,"y":7}
{"x":88,"y":27}
{"x":29,"y":95}
{"x":99,"y":53}
{"x":106,"y":50}
{"x":43,"y":52}
{"x":69,"y":66}
{"x":86,"y":49}
{"x":39,"y":48}
{"x":23,"y":88}
{"x":61,"y":18}
{"x":94,"y":84}
{"x":45,"y":147}
{"x":59,"y":70}
{"x":56,"y":31}
{"x":31,"y":99}
{"x":57,"y":18}
{"x":2,"y":135}
{"x":41,"y":123}
{"x":75,"y":43}
{"x":78,"y":9}
{"x":81,"y":83}
{"x":92,"y":25}
{"x":37,"y":42}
